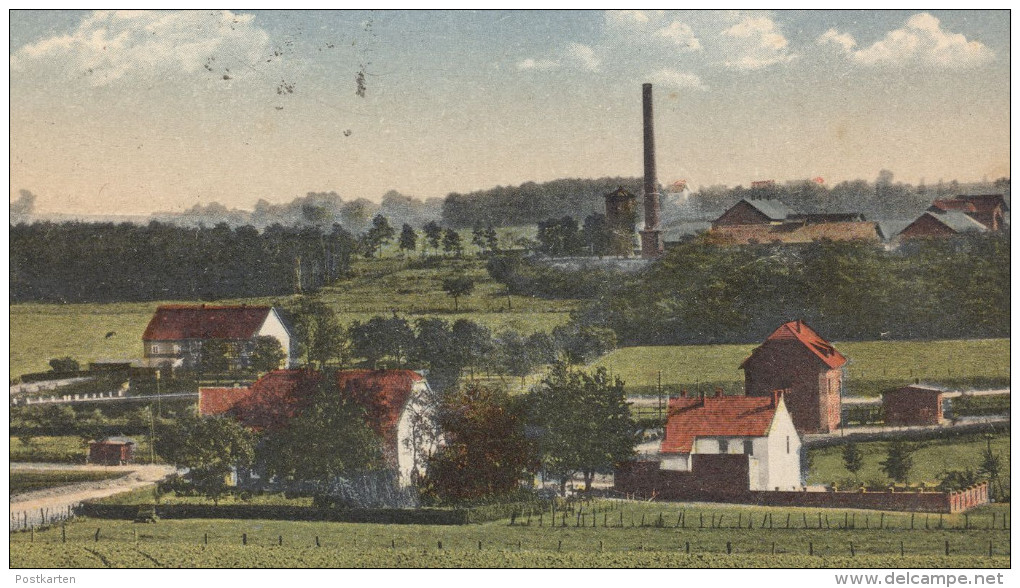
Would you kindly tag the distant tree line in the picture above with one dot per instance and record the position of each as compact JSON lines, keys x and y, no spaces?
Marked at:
{"x":702,"y":293}
{"x":87,"y":262}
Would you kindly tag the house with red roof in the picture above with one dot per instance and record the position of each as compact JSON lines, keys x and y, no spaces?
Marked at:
{"x":796,"y":358}
{"x":396,"y":402}
{"x":176,"y":332}
{"x":737,"y":442}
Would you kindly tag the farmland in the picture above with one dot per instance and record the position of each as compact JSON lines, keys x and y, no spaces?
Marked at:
{"x":872,"y":366}
{"x":411,"y":287}
{"x":22,"y":481}
{"x":651,"y":535}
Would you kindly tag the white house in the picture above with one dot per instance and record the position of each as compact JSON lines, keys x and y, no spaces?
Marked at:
{"x":759,"y":427}
{"x":177,"y":331}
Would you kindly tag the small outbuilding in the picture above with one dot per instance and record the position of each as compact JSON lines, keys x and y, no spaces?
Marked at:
{"x":914,"y":405}
{"x":112,"y":451}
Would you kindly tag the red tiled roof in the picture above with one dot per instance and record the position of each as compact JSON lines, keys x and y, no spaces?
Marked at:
{"x":217,"y":401}
{"x":800,"y":332}
{"x":723,"y":416}
{"x":383,"y":394}
{"x":276,"y":398}
{"x":178,"y":321}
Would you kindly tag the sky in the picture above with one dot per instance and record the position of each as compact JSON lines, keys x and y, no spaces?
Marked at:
{"x":138,"y":112}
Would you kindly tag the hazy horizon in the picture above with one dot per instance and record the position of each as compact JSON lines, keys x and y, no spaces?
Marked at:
{"x":144,"y":112}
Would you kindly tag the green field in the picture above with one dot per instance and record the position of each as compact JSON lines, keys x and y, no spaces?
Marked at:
{"x":29,"y":480}
{"x":66,"y":449}
{"x":872,"y":365}
{"x":39,"y":332}
{"x":661,"y":542}
{"x":932,"y":458}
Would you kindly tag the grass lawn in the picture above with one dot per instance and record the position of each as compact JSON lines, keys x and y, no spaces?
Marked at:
{"x":932,"y":458}
{"x":173,"y":543}
{"x":27,"y":481}
{"x":872,"y":365}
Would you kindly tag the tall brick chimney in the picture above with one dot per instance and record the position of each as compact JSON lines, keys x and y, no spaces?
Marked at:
{"x":651,"y":237}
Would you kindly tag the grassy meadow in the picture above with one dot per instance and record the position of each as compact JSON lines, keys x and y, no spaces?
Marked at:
{"x":66,"y":449}
{"x":625,"y":534}
{"x":22,"y":481}
{"x":872,"y":365}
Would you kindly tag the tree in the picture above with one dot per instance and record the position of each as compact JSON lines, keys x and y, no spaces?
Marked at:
{"x":381,"y":337}
{"x":491,"y":239}
{"x":433,"y":234}
{"x":598,"y":236}
{"x":560,"y":236}
{"x":452,"y":242}
{"x":471,"y":343}
{"x":486,"y":452}
{"x":478,"y":237}
{"x":583,"y":343}
{"x":266,"y":354}
{"x":319,"y":336}
{"x":408,"y":238}
{"x":216,"y":356}
{"x":64,"y":365}
{"x":210,"y":447}
{"x":585,"y":423}
{"x":898,"y":461}
{"x":328,"y":439}
{"x":991,"y":468}
{"x":457,"y":286}
{"x":853,"y":458}
{"x":377,"y":236}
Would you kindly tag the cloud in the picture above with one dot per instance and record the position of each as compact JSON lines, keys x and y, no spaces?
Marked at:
{"x":923,"y":41}
{"x":755,"y":42}
{"x":627,"y":17}
{"x":681,"y":35}
{"x":845,"y":41}
{"x":677,"y":79}
{"x":111,"y":45}
{"x":537,"y":64}
{"x":584,"y":56}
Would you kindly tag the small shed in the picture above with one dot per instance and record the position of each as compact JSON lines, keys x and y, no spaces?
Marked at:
{"x":913,"y":405}
{"x":112,"y":451}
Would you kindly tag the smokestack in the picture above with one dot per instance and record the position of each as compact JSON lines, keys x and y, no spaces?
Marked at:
{"x":651,"y":239}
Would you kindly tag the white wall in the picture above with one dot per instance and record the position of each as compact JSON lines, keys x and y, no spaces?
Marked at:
{"x":678,"y":462}
{"x":405,"y":431}
{"x":273,"y":327}
{"x":783,"y":469}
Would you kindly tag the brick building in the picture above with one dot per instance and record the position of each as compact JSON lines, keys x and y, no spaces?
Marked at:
{"x":913,"y":405}
{"x":112,"y":451}
{"x":796,"y":358}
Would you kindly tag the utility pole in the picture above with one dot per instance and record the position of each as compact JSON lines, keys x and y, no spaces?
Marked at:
{"x":659,"y":390}
{"x":159,"y":399}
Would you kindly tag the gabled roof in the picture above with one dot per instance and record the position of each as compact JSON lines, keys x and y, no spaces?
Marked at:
{"x":798,"y":331}
{"x":275,"y":398}
{"x":383,"y":394}
{"x":985,"y":202}
{"x":722,"y":416}
{"x":952,"y":204}
{"x":773,"y":209}
{"x":218,"y":401}
{"x":959,"y":222}
{"x":117,"y":440}
{"x":177,"y":321}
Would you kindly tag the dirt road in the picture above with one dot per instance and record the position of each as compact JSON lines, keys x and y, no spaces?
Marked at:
{"x":30,"y":508}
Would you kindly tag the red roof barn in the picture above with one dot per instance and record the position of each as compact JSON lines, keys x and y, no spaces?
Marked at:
{"x":913,"y":405}
{"x":796,"y":358}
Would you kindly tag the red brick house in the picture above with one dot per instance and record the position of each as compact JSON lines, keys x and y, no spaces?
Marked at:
{"x":111,"y":451}
{"x":796,"y":358}
{"x":176,"y":331}
{"x":913,"y":405}
{"x":395,"y":403}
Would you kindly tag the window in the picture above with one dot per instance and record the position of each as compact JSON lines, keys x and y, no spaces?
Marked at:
{"x":724,"y":446}
{"x":749,"y":447}
{"x":788,"y":444}
{"x":177,"y":348}
{"x":154,"y":348}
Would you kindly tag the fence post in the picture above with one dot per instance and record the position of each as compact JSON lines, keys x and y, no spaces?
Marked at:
{"x":947,"y":547}
{"x":134,"y":533}
{"x":911,"y":521}
{"x":852,"y":553}
{"x":729,"y":548}
{"x":280,"y":540}
{"x":989,"y":548}
{"x":317,"y":544}
{"x":600,"y":546}
{"x":559,"y":546}
{"x":687,"y":547}
{"x":63,"y":532}
{"x":811,"y":548}
{"x":479,"y":546}
{"x":901,"y":549}
{"x":244,"y":538}
{"x":773,"y":548}
{"x":32,"y":540}
{"x":98,"y":529}
{"x":440,"y":543}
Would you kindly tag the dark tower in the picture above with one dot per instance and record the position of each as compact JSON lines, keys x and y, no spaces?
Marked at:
{"x":651,"y":237}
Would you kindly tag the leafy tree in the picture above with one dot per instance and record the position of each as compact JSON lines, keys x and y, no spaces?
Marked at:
{"x":433,"y":234}
{"x":581,"y":344}
{"x":210,"y":447}
{"x":266,"y":354}
{"x":898,"y":461}
{"x":585,"y":423}
{"x":381,"y":337}
{"x":408,"y":238}
{"x":597,"y":235}
{"x":560,"y":236}
{"x":216,"y":356}
{"x":63,"y":365}
{"x":319,"y":336}
{"x":377,"y":236}
{"x":991,"y":468}
{"x":491,"y":239}
{"x":452,"y":242}
{"x":478,"y":237}
{"x":457,"y":286}
{"x":853,"y":458}
{"x":486,"y":452}
{"x":328,"y":439}
{"x":435,"y":350}
{"x":471,"y":343}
